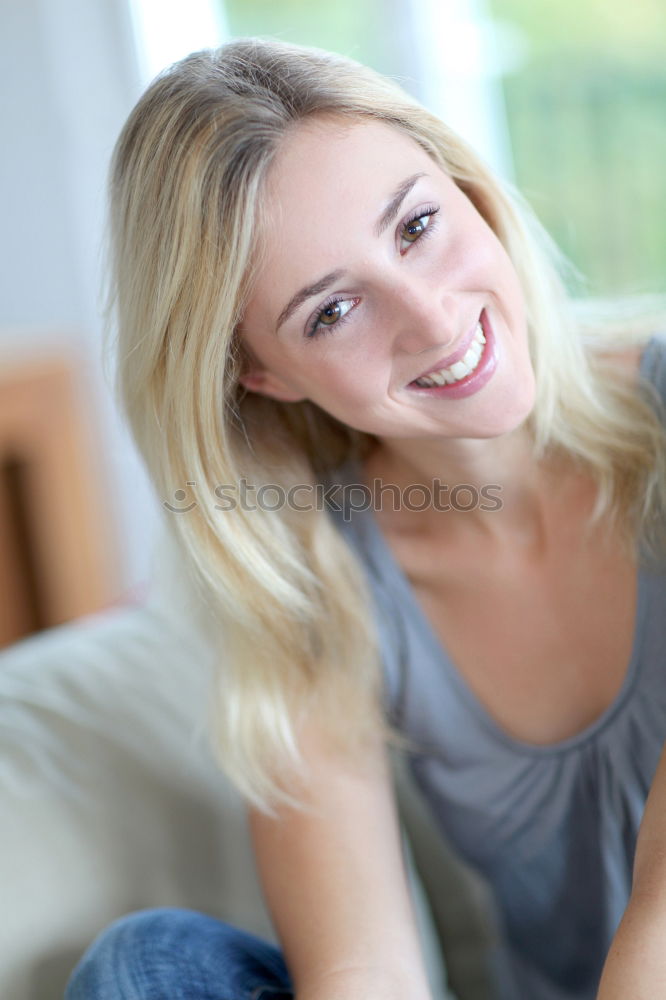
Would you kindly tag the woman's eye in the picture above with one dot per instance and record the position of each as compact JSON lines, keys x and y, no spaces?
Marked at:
{"x":331,"y":315}
{"x":413,"y":229}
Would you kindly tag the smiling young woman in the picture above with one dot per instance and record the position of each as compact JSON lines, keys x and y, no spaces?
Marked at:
{"x":317,"y":283}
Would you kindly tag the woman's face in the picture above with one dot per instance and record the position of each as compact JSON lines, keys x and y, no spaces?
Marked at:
{"x":377,"y":270}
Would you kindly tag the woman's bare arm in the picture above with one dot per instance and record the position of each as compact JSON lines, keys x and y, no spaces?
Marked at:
{"x":636,"y":965}
{"x":336,"y":886}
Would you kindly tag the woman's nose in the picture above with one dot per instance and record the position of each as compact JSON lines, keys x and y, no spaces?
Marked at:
{"x":425,"y":317}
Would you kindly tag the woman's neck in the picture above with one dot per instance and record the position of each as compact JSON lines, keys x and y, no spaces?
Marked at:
{"x":509,"y":497}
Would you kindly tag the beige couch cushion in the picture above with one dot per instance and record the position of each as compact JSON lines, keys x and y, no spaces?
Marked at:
{"x":109,"y":799}
{"x":111,"y":802}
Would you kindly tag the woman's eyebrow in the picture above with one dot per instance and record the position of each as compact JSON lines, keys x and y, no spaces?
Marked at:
{"x":393,"y":207}
{"x":385,"y":220}
{"x":306,"y":293}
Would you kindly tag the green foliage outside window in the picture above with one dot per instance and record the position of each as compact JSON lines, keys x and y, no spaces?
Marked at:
{"x":366,"y":30}
{"x":587,"y":118}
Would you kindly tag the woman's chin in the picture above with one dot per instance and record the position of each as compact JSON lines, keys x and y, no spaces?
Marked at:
{"x":511,"y":410}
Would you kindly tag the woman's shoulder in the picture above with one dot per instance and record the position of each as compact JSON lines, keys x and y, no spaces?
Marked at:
{"x":628,"y":359}
{"x":645,"y":359}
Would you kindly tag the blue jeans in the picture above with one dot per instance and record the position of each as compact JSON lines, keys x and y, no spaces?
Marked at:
{"x":170,"y":953}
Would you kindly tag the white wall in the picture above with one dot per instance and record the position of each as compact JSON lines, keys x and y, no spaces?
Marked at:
{"x":69,"y":77}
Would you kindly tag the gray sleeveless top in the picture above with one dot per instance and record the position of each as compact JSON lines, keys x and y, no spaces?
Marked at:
{"x":552,"y":829}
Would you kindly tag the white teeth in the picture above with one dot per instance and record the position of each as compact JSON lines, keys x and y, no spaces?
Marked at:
{"x":460,"y":369}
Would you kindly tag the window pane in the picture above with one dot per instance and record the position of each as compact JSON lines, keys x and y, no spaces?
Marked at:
{"x":586,"y":108}
{"x":366,"y":30}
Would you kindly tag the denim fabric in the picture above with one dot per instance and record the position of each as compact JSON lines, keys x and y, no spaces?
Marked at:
{"x":170,"y":953}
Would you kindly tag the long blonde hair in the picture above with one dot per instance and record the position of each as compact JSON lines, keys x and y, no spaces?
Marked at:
{"x":287,"y":598}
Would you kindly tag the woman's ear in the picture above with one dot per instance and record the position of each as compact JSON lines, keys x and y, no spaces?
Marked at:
{"x":267,"y":384}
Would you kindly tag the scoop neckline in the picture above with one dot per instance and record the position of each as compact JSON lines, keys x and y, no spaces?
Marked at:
{"x":475,"y":705}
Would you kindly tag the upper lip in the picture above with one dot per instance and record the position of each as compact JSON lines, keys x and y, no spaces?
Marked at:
{"x":459,"y":353}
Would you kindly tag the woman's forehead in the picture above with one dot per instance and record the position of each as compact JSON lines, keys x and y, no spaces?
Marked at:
{"x":331,"y":177}
{"x":332,"y":156}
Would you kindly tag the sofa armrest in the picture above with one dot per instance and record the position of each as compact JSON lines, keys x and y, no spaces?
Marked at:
{"x":110,"y":797}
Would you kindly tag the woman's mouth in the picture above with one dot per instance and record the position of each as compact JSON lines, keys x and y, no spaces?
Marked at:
{"x":460,"y":369}
{"x":469,"y":372}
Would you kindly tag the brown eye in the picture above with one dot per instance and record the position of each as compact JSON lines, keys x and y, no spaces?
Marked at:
{"x":412,"y":230}
{"x":415,"y":229}
{"x":331,"y":314}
